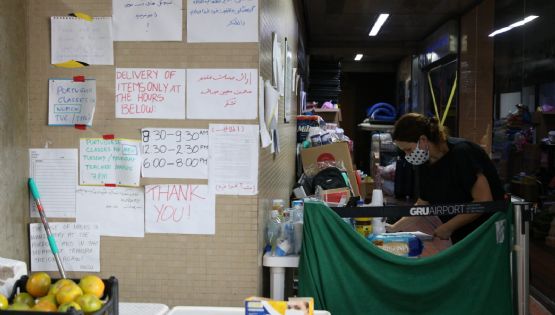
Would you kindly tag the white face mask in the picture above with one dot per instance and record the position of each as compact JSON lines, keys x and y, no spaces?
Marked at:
{"x":418,"y":156}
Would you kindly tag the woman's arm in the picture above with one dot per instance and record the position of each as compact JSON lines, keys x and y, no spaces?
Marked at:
{"x":480,"y":192}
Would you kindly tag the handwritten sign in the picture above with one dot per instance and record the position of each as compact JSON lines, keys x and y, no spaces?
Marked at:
{"x":78,"y":244}
{"x":175,"y":153}
{"x":150,"y":93}
{"x":119,"y":211}
{"x":77,"y":39}
{"x":147,"y":20}
{"x":233,"y":162}
{"x":222,"y":21}
{"x":222,"y":93}
{"x":116,"y":161}
{"x":70,"y":102}
{"x":182,"y":209}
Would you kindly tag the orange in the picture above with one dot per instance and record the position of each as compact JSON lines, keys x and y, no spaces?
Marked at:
{"x":89,"y":303}
{"x":3,"y":302}
{"x":45,"y":306}
{"x":68,"y":293}
{"x":59,"y":284}
{"x":38,"y":284}
{"x":25,"y":298}
{"x":49,"y":297}
{"x":65,"y":307}
{"x":93,"y":285}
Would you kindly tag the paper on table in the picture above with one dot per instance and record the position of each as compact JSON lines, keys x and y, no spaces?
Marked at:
{"x":155,"y":21}
{"x":118,"y":211}
{"x":55,"y":173}
{"x":78,"y":244}
{"x":233,"y":159}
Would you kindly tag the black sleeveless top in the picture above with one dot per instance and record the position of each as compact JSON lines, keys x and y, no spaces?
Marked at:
{"x":450,"y":179}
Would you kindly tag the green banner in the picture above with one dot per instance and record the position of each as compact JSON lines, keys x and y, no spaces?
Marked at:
{"x":347,"y":275}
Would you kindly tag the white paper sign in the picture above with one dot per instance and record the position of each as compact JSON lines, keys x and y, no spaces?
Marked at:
{"x":78,"y":245}
{"x":222,"y":93}
{"x":182,"y":209}
{"x":116,"y":161}
{"x":81,"y":40}
{"x":233,"y":159}
{"x":70,"y":102}
{"x":143,"y":20}
{"x":222,"y":21}
{"x":119,"y":211}
{"x":55,"y":174}
{"x":175,"y":153}
{"x":150,"y":93}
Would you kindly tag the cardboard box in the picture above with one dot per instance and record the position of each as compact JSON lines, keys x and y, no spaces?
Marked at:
{"x":262,"y":306}
{"x":336,"y":196}
{"x":338,"y":151}
{"x":366,"y":187}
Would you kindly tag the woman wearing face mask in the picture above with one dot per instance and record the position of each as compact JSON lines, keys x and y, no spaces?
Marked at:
{"x":451,"y":170}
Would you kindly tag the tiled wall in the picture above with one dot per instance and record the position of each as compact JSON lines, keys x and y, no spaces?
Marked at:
{"x":476,"y":75}
{"x":219,"y":270}
{"x":14,"y":200}
{"x":277,"y":172}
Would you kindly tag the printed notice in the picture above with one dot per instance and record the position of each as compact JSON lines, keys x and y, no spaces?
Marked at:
{"x":55,"y":173}
{"x":181,"y":209}
{"x":119,"y":211}
{"x":150,"y":93}
{"x":175,"y":153}
{"x":233,"y":159}
{"x":77,"y":39}
{"x":78,"y":245}
{"x":71,"y":103}
{"x":222,"y":21}
{"x":147,"y":20}
{"x":222,"y":93}
{"x":116,"y":161}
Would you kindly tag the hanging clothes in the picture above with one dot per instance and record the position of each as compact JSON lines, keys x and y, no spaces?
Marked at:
{"x":347,"y":275}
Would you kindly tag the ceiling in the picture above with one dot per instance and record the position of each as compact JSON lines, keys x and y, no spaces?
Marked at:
{"x":338,"y":29}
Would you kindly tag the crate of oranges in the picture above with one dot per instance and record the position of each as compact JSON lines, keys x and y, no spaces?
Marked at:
{"x":38,"y":293}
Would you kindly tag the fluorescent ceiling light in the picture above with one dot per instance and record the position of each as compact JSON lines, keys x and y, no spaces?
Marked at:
{"x":378,"y":24}
{"x":516,"y":24}
{"x":358,"y":57}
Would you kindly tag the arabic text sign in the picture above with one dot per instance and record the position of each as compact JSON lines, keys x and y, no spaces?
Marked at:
{"x":146,"y":20}
{"x":150,"y":93}
{"x":116,"y":161}
{"x":222,"y":93}
{"x":222,"y":21}
{"x":71,"y":103}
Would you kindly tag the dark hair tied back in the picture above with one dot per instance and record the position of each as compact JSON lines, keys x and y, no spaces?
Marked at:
{"x":411,"y":126}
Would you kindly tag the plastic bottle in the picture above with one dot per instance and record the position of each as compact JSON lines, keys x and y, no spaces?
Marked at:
{"x":297,"y":219}
{"x":273,"y":230}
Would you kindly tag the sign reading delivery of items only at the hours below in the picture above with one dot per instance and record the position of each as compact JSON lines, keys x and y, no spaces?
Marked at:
{"x":71,"y":103}
{"x":150,"y":93}
{"x":116,"y":161}
{"x":175,"y":153}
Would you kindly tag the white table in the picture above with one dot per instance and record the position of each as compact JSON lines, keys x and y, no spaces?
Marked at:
{"x":277,"y":265}
{"x":142,"y":308}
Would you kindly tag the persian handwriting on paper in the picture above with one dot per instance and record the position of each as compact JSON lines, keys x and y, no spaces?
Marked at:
{"x":247,"y":78}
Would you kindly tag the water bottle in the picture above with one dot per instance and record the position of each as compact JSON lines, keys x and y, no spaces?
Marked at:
{"x":273,"y":230}
{"x":297,"y":218}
